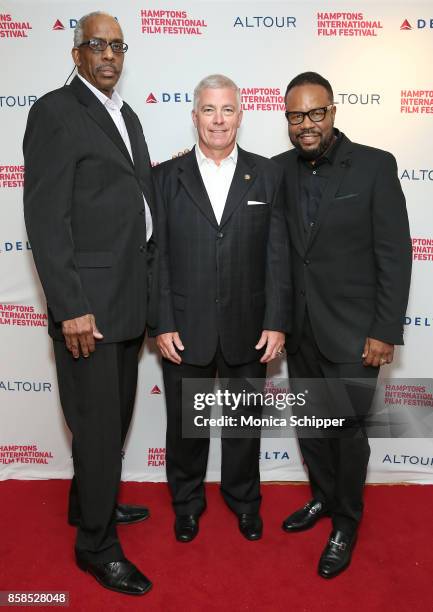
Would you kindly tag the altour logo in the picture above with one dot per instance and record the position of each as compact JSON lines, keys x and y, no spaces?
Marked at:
{"x":168,"y":22}
{"x":422,"y":249}
{"x":281,"y":21}
{"x":14,"y":101}
{"x":13,"y":29}
{"x":416,"y":101}
{"x":357,"y":98}
{"x":417,"y":175}
{"x":11,"y":177}
{"x":26,"y":386}
{"x":408,"y":459}
{"x":347,"y":24}
{"x":421,"y":24}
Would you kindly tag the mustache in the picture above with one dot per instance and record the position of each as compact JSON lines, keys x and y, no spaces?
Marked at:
{"x":104,"y":66}
{"x":308,"y":131}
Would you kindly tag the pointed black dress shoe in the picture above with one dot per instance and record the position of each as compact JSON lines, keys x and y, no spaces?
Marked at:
{"x":306,"y":517}
{"x":186,"y":527}
{"x":120,"y":576}
{"x":125,"y":515}
{"x":337,"y":554}
{"x":250,"y":526}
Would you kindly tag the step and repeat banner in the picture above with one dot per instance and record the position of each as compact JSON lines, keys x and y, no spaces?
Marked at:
{"x":376,"y":54}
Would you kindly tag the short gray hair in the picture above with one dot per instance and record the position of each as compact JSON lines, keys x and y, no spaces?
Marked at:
{"x":79,"y":28}
{"x":216,"y":81}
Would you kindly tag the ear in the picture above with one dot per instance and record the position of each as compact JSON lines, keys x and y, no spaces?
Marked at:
{"x":194,"y":117}
{"x":241,"y":114}
{"x":76,"y":56}
{"x":333,"y":111}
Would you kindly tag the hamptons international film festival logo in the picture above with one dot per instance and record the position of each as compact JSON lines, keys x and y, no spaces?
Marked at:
{"x":24,"y":454}
{"x":416,"y":101}
{"x":11,"y":176}
{"x":407,"y":395}
{"x":19,"y":315}
{"x":155,"y":457}
{"x":10,"y":27}
{"x":167,"y":22}
{"x":418,"y":24}
{"x":422,"y":249}
{"x":347,"y":25}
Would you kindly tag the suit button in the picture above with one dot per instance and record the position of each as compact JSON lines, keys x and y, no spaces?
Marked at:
{"x":312,"y":224}
{"x":142,"y":248}
{"x":216,"y":301}
{"x":306,"y":262}
{"x":302,"y":292}
{"x":220,"y":235}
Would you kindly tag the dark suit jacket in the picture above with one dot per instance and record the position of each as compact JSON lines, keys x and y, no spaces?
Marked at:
{"x":353,"y":269}
{"x":84,"y":211}
{"x":223,"y":282}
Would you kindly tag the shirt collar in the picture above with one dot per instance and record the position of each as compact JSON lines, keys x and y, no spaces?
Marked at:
{"x":115,"y":102}
{"x":201,"y":157}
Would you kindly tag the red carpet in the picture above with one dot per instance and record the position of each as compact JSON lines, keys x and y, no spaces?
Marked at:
{"x":391,"y":569}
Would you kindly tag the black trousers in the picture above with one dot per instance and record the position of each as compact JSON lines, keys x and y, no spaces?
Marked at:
{"x":186,"y":458}
{"x":337,"y":466}
{"x":97,"y":396}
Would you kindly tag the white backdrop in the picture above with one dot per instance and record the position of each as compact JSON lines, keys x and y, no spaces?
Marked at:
{"x":378,"y":59}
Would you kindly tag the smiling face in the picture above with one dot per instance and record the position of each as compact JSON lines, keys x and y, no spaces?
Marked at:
{"x":217,"y":119}
{"x":102,"y":69}
{"x":311,"y":139}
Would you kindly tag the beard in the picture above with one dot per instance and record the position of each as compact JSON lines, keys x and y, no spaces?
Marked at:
{"x":311,"y":154}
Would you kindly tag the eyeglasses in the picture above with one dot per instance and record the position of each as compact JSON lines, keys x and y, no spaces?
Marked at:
{"x":315,"y":114}
{"x":97,"y":45}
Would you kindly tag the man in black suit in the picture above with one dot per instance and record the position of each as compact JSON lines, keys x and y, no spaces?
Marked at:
{"x":224,"y":295}
{"x":351,"y":258}
{"x":87,"y":199}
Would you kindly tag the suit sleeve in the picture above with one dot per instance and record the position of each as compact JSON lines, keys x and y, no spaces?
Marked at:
{"x":166,"y":320}
{"x":393,"y":253}
{"x":278,"y":312}
{"x":48,"y":188}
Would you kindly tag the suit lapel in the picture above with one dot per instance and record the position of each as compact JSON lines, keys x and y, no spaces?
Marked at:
{"x":99,"y":114}
{"x":342,"y":162}
{"x":189,"y":175}
{"x":138,"y":161}
{"x":294,"y":203}
{"x":243,"y":179}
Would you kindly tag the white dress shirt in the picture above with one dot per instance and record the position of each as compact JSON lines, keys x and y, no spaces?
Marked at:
{"x":113,"y":106}
{"x":217,"y":179}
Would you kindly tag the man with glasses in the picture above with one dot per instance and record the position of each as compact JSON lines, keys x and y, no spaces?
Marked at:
{"x":351,"y":258}
{"x":87,"y":198}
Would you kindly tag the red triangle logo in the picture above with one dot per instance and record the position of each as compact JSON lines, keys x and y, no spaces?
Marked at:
{"x":151,"y":99}
{"x":405,"y":25}
{"x":156,"y":390}
{"x":58,"y":25}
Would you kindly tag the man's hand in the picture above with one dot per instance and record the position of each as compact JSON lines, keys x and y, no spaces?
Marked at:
{"x":377,"y":353}
{"x":275,"y":345}
{"x":81,"y":333}
{"x":168,"y":343}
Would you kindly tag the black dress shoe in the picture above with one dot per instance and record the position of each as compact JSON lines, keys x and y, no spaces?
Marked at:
{"x":125,"y":515}
{"x":337,"y":554}
{"x":306,"y":517}
{"x":251,"y":526}
{"x":186,"y":527}
{"x":120,"y":576}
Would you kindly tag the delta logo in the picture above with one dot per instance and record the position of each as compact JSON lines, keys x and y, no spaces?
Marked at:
{"x":9,"y":28}
{"x":416,"y":101}
{"x":17,"y":245}
{"x":170,"y":23}
{"x":165,"y":96}
{"x":58,"y":25}
{"x":11,"y":176}
{"x":422,"y":249}
{"x":347,"y":24}
{"x":417,"y":321}
{"x":262,"y":99}
{"x":275,"y":455}
{"x":23,"y":316}
{"x":156,"y":457}
{"x":421,"y":24}
{"x":155,"y":390}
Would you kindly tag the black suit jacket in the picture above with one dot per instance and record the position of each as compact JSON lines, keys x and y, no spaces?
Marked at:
{"x":226,"y":281}
{"x":353,"y":269}
{"x":84,"y":212}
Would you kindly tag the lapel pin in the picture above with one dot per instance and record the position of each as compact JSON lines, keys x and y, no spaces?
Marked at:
{"x":247,"y":177}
